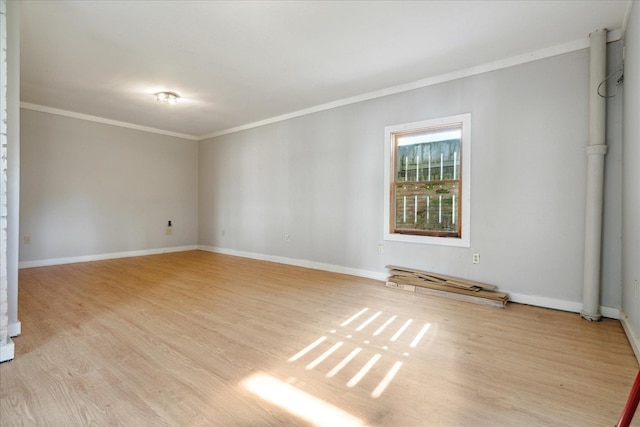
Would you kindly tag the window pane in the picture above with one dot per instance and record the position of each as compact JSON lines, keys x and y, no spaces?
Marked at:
{"x":428,"y":207}
{"x":428,"y":156}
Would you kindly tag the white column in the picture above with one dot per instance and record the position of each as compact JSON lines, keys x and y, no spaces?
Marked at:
{"x":10,"y":175}
{"x":596,"y":151}
{"x":13,"y":162}
{"x":6,"y":345}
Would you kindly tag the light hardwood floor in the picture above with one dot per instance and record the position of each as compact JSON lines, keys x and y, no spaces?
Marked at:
{"x":195,"y":338}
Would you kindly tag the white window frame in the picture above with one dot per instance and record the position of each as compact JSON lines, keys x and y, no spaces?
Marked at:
{"x":389,"y":146}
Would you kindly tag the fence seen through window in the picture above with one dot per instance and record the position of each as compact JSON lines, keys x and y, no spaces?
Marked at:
{"x":427,"y":182}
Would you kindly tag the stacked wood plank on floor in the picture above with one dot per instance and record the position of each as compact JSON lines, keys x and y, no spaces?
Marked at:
{"x":424,"y":282}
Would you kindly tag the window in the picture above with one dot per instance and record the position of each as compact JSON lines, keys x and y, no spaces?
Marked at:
{"x":427,"y":181}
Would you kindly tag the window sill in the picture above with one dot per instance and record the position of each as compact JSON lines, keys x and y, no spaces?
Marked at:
{"x":429,"y":240}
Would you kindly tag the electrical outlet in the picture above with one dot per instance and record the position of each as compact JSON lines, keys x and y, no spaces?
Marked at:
{"x":380,"y":249}
{"x":27,"y":240}
{"x":286,"y":237}
{"x":475,"y":258}
{"x":168,"y":231}
{"x":222,"y":233}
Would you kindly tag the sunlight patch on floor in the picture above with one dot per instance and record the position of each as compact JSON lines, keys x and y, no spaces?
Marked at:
{"x":299,"y":403}
{"x":307,"y":349}
{"x":354,"y":317}
{"x":384,"y":325}
{"x":343,"y":363}
{"x":377,"y":392}
{"x":349,"y":339}
{"x":401,"y":330}
{"x":324,"y":356}
{"x":365,"y":369}
{"x":369,"y":320}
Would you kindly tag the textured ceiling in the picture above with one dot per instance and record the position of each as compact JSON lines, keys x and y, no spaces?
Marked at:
{"x":239,"y":62}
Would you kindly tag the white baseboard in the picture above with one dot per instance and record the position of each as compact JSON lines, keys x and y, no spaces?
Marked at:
{"x":299,"y":263}
{"x":560,"y":304}
{"x":556,"y":304}
{"x":610,"y":312}
{"x":633,"y":338}
{"x":14,"y":329}
{"x":7,"y":351}
{"x":100,"y":257}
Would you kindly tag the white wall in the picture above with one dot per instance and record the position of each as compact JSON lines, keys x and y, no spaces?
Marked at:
{"x":318,"y":178}
{"x":631,"y":176}
{"x":90,"y":189}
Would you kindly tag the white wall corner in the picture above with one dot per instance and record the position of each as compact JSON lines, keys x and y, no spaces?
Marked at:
{"x":632,"y":336}
{"x":7,"y":351}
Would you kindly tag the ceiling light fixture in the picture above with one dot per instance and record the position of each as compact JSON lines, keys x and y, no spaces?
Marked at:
{"x":167,"y":97}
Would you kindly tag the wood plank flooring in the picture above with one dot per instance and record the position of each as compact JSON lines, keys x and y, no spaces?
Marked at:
{"x":202,"y":339}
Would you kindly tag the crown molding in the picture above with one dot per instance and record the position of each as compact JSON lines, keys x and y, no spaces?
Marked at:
{"x":87,"y":117}
{"x":549,"y":52}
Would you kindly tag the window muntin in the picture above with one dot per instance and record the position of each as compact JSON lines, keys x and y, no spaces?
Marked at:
{"x":427,"y":181}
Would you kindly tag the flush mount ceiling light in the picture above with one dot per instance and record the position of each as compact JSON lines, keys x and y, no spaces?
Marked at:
{"x":167,"y":97}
